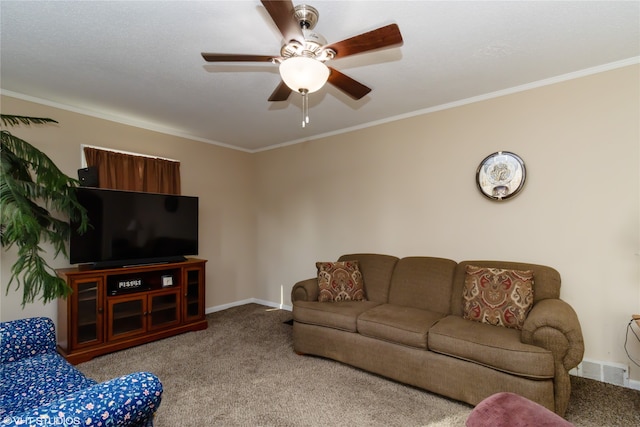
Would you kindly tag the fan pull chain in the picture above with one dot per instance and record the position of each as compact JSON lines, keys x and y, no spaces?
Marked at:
{"x":305,"y":107}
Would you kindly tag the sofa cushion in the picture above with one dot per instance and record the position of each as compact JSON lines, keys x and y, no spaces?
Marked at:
{"x":547,"y":280}
{"x":423,"y":282}
{"x":403,"y":325}
{"x":340,"y":281}
{"x":376,"y":272}
{"x":498,"y":348}
{"x":337,"y":315}
{"x":497,"y":296}
{"x":34,"y":381}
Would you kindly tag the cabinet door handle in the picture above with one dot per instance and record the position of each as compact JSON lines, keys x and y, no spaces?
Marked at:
{"x":100,"y":310}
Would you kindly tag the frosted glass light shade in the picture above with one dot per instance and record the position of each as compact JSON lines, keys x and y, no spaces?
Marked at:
{"x":302,"y":73}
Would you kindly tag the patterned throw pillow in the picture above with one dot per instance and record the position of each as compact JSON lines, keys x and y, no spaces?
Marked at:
{"x":497,"y":296}
{"x":340,"y":281}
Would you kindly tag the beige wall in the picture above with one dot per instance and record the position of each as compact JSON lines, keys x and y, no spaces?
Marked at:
{"x":408,"y":188}
{"x":220,"y":177}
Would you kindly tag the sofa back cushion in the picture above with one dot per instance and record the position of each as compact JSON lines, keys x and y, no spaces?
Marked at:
{"x":376,"y":272}
{"x":423,"y":282}
{"x":546,"y":280}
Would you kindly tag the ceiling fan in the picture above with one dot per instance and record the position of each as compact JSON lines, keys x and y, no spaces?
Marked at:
{"x":304,"y":53}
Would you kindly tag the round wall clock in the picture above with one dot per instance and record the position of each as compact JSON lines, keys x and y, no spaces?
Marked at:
{"x":500,"y":175}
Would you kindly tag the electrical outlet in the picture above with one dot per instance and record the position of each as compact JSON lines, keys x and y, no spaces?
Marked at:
{"x":636,"y":317}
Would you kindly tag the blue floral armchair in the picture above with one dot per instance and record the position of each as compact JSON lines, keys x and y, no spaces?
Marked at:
{"x":38,"y":387}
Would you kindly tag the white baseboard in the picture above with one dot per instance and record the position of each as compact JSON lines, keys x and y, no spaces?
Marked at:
{"x":213,"y":309}
{"x":607,"y":372}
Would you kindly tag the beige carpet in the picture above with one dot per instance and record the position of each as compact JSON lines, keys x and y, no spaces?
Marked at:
{"x":242,"y":371}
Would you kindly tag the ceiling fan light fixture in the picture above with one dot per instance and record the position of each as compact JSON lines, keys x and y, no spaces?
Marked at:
{"x":302,"y":73}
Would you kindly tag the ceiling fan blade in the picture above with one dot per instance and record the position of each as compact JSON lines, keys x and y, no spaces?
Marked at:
{"x":382,"y":37}
{"x":235,"y":57}
{"x":351,"y":87}
{"x":281,"y":11}
{"x":281,"y":93}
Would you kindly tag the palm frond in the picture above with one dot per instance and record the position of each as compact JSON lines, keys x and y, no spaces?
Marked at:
{"x":31,"y":187}
{"x":12,"y":120}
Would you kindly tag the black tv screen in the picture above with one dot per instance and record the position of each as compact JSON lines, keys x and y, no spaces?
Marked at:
{"x":131,"y":228}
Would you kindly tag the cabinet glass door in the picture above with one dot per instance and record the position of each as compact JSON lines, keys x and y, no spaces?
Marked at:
{"x":193,"y":296}
{"x":87,"y":300}
{"x":127,"y":316}
{"x":164,"y":309}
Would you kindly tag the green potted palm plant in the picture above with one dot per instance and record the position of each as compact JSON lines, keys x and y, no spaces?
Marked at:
{"x":32,"y":191}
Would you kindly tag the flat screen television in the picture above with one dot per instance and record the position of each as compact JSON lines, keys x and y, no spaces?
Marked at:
{"x":134,"y":228}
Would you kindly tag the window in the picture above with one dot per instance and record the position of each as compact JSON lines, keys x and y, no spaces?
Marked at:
{"x":127,"y":171}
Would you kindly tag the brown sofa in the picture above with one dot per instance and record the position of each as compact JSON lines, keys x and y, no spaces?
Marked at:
{"x":411,"y":329}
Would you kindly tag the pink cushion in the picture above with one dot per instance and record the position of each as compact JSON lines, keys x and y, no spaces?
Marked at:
{"x":511,"y":410}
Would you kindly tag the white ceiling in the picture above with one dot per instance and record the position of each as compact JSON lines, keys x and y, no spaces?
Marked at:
{"x":139,"y":62}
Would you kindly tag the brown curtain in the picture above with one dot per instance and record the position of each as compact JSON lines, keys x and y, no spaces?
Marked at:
{"x":121,"y":171}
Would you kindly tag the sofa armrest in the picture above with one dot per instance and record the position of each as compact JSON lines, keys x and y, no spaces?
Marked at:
{"x":130,"y":400}
{"x":554,"y":325}
{"x":26,"y":338}
{"x":305,"y":290}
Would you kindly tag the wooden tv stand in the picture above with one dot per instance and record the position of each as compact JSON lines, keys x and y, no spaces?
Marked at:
{"x":118,"y":308}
